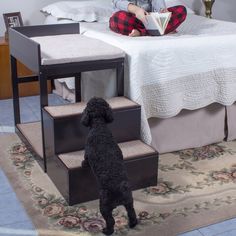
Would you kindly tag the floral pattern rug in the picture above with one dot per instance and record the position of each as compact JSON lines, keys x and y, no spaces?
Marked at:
{"x":196,"y":187}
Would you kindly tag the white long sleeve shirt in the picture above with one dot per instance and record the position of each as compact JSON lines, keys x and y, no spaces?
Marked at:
{"x":148,"y":5}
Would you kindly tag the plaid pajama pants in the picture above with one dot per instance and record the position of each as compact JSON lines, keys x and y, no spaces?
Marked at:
{"x":123,"y":22}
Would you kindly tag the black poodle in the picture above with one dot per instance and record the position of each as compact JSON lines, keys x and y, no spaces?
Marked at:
{"x":105,"y":158}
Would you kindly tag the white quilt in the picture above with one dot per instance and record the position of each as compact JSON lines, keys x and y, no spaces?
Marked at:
{"x":187,"y":70}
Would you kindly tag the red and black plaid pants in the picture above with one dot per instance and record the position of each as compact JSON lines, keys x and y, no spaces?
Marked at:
{"x":123,"y":22}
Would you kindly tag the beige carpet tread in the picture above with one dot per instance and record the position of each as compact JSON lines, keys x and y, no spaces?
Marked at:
{"x":77,"y":108}
{"x":130,"y":150}
{"x":78,"y":48}
{"x":33,"y":134}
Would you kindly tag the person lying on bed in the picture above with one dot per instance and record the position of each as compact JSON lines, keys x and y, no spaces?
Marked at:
{"x":129,"y":16}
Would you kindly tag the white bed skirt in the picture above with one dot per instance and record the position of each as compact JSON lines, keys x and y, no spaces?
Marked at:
{"x":104,"y":87}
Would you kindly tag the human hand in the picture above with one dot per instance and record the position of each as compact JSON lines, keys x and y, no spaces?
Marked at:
{"x":140,"y":13}
{"x":164,"y":10}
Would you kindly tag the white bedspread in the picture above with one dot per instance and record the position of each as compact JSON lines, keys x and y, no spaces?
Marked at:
{"x":187,"y":70}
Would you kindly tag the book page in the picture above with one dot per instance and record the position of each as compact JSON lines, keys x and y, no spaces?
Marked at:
{"x":157,"y":22}
{"x":162,"y":19}
{"x":152,"y":23}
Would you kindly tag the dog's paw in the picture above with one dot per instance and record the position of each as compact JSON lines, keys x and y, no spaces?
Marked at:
{"x":133,"y":223}
{"x":107,"y":231}
{"x":85,"y":164}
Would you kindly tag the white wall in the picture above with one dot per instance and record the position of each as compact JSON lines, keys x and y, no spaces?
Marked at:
{"x":30,"y":11}
{"x":223,"y":9}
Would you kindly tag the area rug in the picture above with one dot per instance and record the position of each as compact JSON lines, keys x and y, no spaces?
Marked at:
{"x":196,"y":188}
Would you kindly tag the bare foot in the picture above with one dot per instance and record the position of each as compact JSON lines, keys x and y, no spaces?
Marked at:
{"x":134,"y":33}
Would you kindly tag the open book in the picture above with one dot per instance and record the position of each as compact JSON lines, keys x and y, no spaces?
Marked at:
{"x":157,"y":22}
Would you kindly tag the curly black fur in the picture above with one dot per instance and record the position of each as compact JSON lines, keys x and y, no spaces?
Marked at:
{"x":105,"y":158}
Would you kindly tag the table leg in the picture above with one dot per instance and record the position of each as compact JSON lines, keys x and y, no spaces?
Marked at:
{"x":120,"y":79}
{"x":78,"y":88}
{"x":43,"y":103}
{"x":15,"y":91}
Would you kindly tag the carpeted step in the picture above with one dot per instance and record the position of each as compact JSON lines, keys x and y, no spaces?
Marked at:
{"x":77,"y":108}
{"x":78,"y":184}
{"x":31,"y":134}
{"x":64,"y":132}
{"x":131,"y":150}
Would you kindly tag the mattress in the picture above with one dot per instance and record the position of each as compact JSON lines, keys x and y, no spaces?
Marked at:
{"x":187,"y":70}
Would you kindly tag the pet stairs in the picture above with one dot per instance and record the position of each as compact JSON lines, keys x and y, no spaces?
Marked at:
{"x":59,"y":138}
{"x":65,"y":138}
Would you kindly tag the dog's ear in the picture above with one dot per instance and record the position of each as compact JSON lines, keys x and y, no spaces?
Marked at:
{"x":85,"y":119}
{"x":108,"y":115}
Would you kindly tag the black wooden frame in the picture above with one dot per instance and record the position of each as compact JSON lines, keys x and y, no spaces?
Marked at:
{"x":27,"y":51}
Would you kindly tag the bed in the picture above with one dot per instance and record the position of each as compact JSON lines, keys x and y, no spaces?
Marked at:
{"x":186,"y":87}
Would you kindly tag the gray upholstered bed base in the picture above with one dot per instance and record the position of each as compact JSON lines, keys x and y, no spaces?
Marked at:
{"x":188,"y":129}
{"x":231,"y":122}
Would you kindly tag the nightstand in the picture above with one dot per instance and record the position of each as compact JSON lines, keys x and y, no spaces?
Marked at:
{"x":26,"y":89}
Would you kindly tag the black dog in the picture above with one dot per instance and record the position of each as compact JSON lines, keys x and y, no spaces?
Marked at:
{"x":105,"y":158}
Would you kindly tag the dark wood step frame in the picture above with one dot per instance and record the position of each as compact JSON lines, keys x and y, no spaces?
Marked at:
{"x":60,"y":135}
{"x":28,"y":52}
{"x":79,"y":185}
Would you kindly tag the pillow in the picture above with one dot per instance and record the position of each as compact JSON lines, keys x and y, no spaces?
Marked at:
{"x":171,"y":3}
{"x":89,"y":11}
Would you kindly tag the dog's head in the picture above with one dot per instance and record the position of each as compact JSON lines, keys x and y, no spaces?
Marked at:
{"x":97,"y":108}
